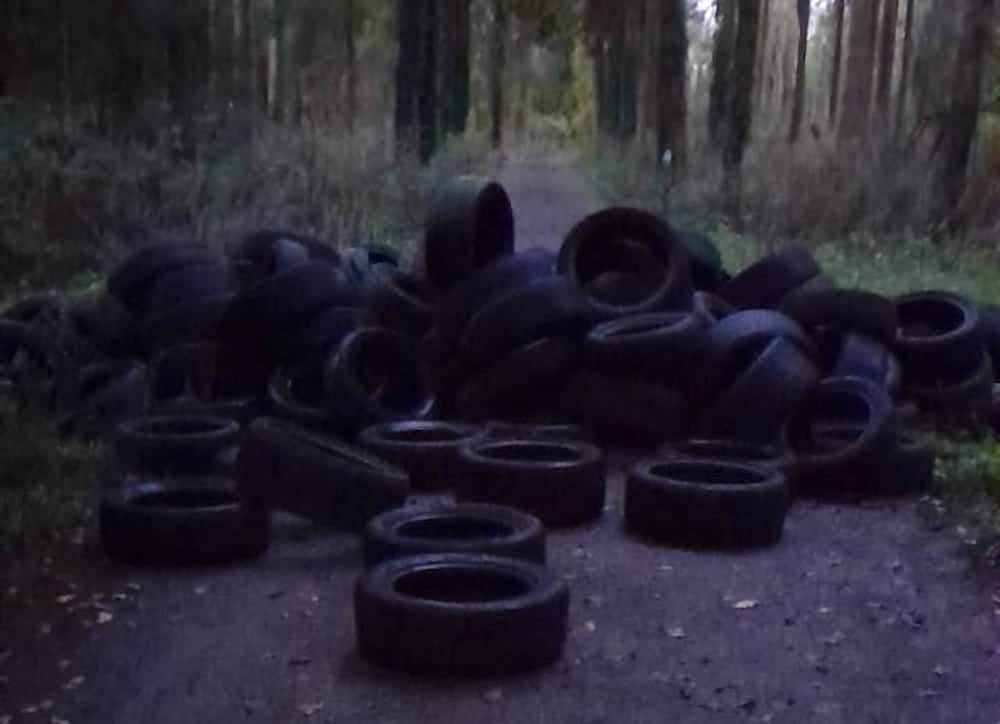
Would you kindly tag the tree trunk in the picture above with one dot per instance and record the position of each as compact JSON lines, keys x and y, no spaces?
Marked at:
{"x":959,"y":129}
{"x":722,"y":70}
{"x":760,"y":54}
{"x":838,"y":60}
{"x":904,"y":75}
{"x":799,"y":101}
{"x":455,"y":70}
{"x":351,"y":62}
{"x":861,"y":58}
{"x":498,"y":42}
{"x":427,"y":100}
{"x":740,"y":105}
{"x":671,"y":127}
{"x":273,"y":56}
{"x":887,"y":58}
{"x":239,"y":59}
{"x":408,"y":26}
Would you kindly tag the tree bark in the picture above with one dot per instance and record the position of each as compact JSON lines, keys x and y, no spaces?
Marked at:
{"x":671,"y":127}
{"x":455,"y":70}
{"x":904,"y":75}
{"x":722,"y":70}
{"x":274,"y":31}
{"x":799,"y":101}
{"x":959,"y":129}
{"x":861,"y":60}
{"x":498,"y":42}
{"x":760,"y":54}
{"x":239,"y":59}
{"x":887,"y":58}
{"x":408,"y":26}
{"x":740,"y":105}
{"x":838,"y":60}
{"x":427,"y":100}
{"x":351,"y":63}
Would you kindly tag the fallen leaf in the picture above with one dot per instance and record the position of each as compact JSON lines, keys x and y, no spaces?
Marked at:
{"x":104,"y":617}
{"x":75,"y":683}
{"x":835,"y":639}
{"x":493,"y":695}
{"x":252,"y":705}
{"x":6,"y":719}
{"x":131,"y":624}
{"x":200,"y":590}
{"x":941,"y":671}
{"x":824,"y":610}
{"x":928,"y":693}
{"x":676,"y":632}
{"x":594,"y":601}
{"x":590,"y":626}
{"x":29,"y":710}
{"x":667,"y":568}
{"x":275,"y":594}
{"x":46,"y":705}
{"x":64,"y":664}
{"x":56,"y":720}
{"x":745,"y":604}
{"x":133,"y":586}
{"x":119,"y":597}
{"x":63,"y":600}
{"x":310,"y":709}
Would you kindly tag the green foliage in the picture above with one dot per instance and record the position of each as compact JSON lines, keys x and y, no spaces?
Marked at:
{"x":578,"y":102}
{"x":46,"y":485}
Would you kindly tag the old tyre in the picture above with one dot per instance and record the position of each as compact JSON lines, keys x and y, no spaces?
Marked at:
{"x":316,"y":477}
{"x":908,"y":468}
{"x":847,"y":310}
{"x":665,"y":347}
{"x":828,"y":471}
{"x":523,"y":379}
{"x":863,"y":356}
{"x":757,"y":403}
{"x":548,"y":307}
{"x":705,"y":259}
{"x":199,"y":320}
{"x":471,"y":224}
{"x":989,"y":330}
{"x":767,"y":281}
{"x":323,"y":333}
{"x":562,"y":483}
{"x":492,"y":530}
{"x":711,"y":307}
{"x":181,"y":522}
{"x":601,"y":243}
{"x":730,"y":451}
{"x":961,"y":402}
{"x":131,"y":280}
{"x":938,"y":337}
{"x":376,"y":375}
{"x":624,"y":411}
{"x":297,"y":394}
{"x":427,"y":450}
{"x":461,"y":615}
{"x":173,"y":444}
{"x":504,"y":430}
{"x":400,"y":301}
{"x":107,"y":324}
{"x":272,"y":250}
{"x":454,"y":309}
{"x":192,"y":283}
{"x":107,"y":394}
{"x":707,"y":503}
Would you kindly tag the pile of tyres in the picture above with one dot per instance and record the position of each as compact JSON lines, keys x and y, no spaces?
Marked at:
{"x":332,"y":384}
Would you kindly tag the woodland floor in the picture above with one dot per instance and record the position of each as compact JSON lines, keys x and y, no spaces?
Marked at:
{"x":861,"y":614}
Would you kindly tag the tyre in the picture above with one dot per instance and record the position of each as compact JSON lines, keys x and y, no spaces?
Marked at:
{"x":546,"y":308}
{"x":428,"y":451}
{"x":200,"y":320}
{"x":491,"y":530}
{"x":846,"y":402}
{"x":938,"y":338}
{"x":131,"y":280}
{"x":757,"y":404}
{"x":189,"y":522}
{"x":964,"y":402}
{"x":520,"y":381}
{"x":624,"y":411}
{"x":705,"y":503}
{"x":664,"y":347}
{"x":706,"y":261}
{"x":711,"y":307}
{"x":259,"y":248}
{"x":106,"y":322}
{"x":461,"y":615}
{"x":730,"y":451}
{"x":107,"y":394}
{"x":764,"y":283}
{"x":863,"y":356}
{"x":601,"y":243}
{"x":377,"y":376}
{"x":454,"y":309}
{"x":846,"y":310}
{"x":297,"y":394}
{"x":471,"y":224}
{"x":323,"y":333}
{"x":193,"y":283}
{"x":173,"y":444}
{"x":567,"y":432}
{"x":989,"y":330}
{"x":562,"y":483}
{"x":907,"y":469}
{"x":328,"y":482}
{"x":620,"y":289}
{"x":400,"y":301}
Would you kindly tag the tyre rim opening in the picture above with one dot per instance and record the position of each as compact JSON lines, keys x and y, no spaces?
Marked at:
{"x":461,"y":585}
{"x":427,"y":435}
{"x":530,"y":452}
{"x":728,"y":451}
{"x":180,"y":426}
{"x":459,"y":527}
{"x":920,"y":318}
{"x":709,"y":473}
{"x":494,"y":224}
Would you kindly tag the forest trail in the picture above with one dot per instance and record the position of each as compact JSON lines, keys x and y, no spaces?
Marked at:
{"x":861,"y":614}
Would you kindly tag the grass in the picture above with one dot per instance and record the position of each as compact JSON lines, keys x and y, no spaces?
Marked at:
{"x":968,"y":468}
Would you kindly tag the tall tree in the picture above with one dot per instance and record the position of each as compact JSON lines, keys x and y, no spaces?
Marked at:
{"x":722,"y":69}
{"x":427,"y":100}
{"x":351,"y":62}
{"x":498,"y":43}
{"x":838,"y":59}
{"x":455,"y":70}
{"x":409,"y":21}
{"x":671,"y":127}
{"x":740,"y":104}
{"x":861,"y":41}
{"x":799,"y":101}
{"x":886,"y":60}
{"x":904,"y":74}
{"x":959,"y":127}
{"x":760,"y":54}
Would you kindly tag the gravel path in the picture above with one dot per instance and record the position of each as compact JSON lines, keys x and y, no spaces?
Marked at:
{"x":860,"y":615}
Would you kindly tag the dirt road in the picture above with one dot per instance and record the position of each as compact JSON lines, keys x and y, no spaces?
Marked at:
{"x":861,"y":615}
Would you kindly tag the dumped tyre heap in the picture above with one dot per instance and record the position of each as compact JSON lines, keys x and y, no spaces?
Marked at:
{"x":335,"y":385}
